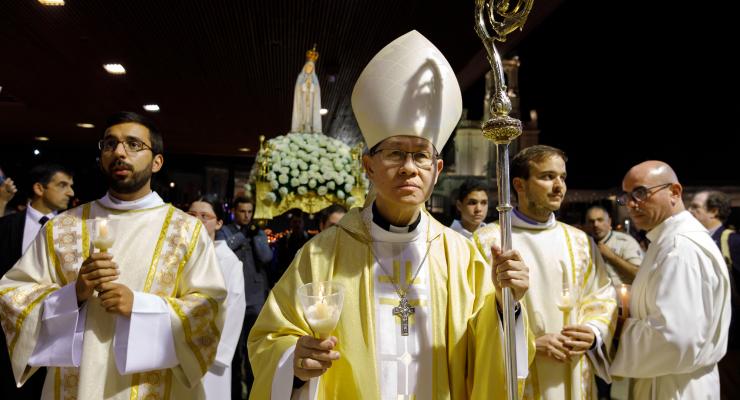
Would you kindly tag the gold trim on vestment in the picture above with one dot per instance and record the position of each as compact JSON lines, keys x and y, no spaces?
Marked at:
{"x":52,"y":252}
{"x":22,"y":317}
{"x":570,"y":253}
{"x":8,"y":290}
{"x":191,"y":247}
{"x":157,"y":250}
{"x":188,"y":333}
{"x":57,"y":384}
{"x":135,"y":381}
{"x":85,"y":232}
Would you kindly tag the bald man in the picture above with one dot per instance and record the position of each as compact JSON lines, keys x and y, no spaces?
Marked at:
{"x":680,"y":297}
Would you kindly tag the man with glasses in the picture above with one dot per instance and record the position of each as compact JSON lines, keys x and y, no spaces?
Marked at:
{"x":565,"y":267}
{"x":140,"y":318}
{"x":680,"y":300}
{"x":419,"y":318}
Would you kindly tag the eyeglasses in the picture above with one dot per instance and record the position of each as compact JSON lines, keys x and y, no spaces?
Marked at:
{"x":202,"y":215}
{"x":640,"y":194}
{"x":422,"y":159}
{"x":129,"y":144}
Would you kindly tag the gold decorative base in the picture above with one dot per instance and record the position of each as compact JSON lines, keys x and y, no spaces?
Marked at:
{"x":310,"y":202}
{"x":502,"y":129}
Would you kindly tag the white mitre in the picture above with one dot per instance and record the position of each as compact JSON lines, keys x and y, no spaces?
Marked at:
{"x":407,"y":89}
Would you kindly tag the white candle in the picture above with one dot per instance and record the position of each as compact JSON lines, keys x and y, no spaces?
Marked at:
{"x":103,"y":239}
{"x":566,"y":300}
{"x":323,"y":319}
{"x":103,"y":229}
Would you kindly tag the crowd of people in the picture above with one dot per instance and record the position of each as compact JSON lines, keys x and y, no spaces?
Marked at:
{"x":196,"y":303}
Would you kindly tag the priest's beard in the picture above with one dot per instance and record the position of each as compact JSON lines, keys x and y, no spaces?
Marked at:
{"x":538,"y":211}
{"x":136,"y":181}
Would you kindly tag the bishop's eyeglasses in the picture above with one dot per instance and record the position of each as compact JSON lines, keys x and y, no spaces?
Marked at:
{"x":395,"y":157}
{"x":640,"y":194}
{"x":131,"y":145}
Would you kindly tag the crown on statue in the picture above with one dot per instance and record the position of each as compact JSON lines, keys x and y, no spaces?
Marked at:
{"x":312,"y":55}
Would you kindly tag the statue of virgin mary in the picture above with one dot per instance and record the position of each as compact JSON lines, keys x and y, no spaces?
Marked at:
{"x":307,"y":97}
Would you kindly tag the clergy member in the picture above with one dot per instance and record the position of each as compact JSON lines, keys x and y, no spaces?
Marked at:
{"x":680,"y":301}
{"x":139,"y":320}
{"x":565,"y":267}
{"x":420,"y":316}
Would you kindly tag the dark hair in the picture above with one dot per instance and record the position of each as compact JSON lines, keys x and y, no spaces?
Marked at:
{"x":328,"y":211}
{"x":720,"y":202}
{"x":470,"y":185}
{"x":597,"y":207}
{"x":212,"y":200}
{"x":243,"y":200}
{"x":43,"y":173}
{"x":520,"y":162}
{"x":123,"y":117}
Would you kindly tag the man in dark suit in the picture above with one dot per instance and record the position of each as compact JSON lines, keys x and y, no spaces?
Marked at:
{"x":249,"y":243}
{"x":51,"y":190}
{"x":712,"y":209}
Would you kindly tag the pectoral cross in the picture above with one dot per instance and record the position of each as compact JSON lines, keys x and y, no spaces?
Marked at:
{"x":403,"y":311}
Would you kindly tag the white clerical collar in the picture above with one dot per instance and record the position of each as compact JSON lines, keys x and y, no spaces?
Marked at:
{"x":669,"y":223}
{"x":457,"y":226}
{"x":520,"y":220}
{"x":398,"y":234}
{"x":149,"y":201}
{"x":36,"y":215}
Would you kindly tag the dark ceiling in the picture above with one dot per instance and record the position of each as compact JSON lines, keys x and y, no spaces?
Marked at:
{"x":612,"y":85}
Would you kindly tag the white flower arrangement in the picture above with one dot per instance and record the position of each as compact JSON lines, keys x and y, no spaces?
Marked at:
{"x":305,"y":162}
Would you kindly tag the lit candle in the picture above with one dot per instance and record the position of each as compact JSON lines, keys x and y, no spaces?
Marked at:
{"x":103,"y":239}
{"x":323,"y":319}
{"x":103,"y":229}
{"x":624,"y":297}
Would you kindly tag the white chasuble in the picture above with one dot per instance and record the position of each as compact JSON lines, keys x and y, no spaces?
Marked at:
{"x":165,"y":258}
{"x":559,"y":256}
{"x":404,"y":362}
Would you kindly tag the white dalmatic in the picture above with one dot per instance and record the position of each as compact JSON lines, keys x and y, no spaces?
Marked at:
{"x":404,"y":363}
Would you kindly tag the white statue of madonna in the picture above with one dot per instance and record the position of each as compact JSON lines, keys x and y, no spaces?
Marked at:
{"x":307,"y":98}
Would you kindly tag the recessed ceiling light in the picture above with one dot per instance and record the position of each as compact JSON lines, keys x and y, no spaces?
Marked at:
{"x":243,"y":149}
{"x":151,"y":107}
{"x":41,"y":138}
{"x":36,"y":152}
{"x":52,"y":2}
{"x":172,"y":184}
{"x":323,"y":111}
{"x":115,"y":69}
{"x":85,"y":125}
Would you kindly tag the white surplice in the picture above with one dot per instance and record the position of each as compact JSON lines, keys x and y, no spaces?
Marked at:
{"x":680,"y":315}
{"x":217,"y":381}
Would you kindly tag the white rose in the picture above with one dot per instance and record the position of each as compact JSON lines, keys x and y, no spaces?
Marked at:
{"x":339,"y":179}
{"x":295,"y":172}
{"x":349,"y":179}
{"x":330,"y":185}
{"x":350,"y":201}
{"x":340,"y":194}
{"x":314,"y":166}
{"x":285,"y":162}
{"x":283,"y":179}
{"x":293,"y":164}
{"x":283,"y":191}
{"x":271,"y":176}
{"x":274,"y":184}
{"x":348,"y":187}
{"x":303,"y":180}
{"x":302,"y":190}
{"x":295,"y":182}
{"x":321,"y":190}
{"x":270,"y":198}
{"x":312,"y":183}
{"x":285,"y":170}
